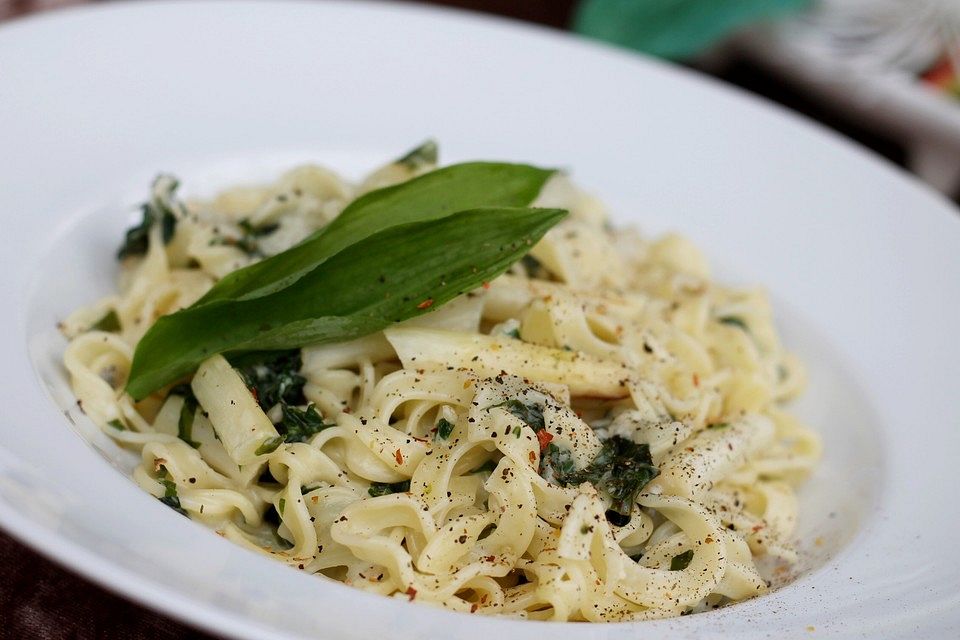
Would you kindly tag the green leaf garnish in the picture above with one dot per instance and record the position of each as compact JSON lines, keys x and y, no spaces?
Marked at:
{"x":393,"y":275}
{"x":383,"y":488}
{"x":117,"y":424}
{"x":428,"y":197}
{"x":109,"y":322}
{"x":681,"y":561}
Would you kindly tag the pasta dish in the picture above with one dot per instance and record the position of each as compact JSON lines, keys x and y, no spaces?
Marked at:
{"x":503,"y":406}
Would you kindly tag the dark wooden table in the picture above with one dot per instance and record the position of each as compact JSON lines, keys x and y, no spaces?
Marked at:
{"x":39,"y":599}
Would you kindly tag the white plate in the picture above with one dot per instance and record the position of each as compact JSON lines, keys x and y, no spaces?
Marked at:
{"x":863,"y":263}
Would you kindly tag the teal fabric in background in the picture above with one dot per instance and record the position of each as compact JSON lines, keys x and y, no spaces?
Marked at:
{"x":674,"y":28}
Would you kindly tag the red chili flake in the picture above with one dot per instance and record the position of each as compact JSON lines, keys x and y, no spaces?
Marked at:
{"x":486,"y":285}
{"x":757,"y":527}
{"x":411,"y":592}
{"x":256,"y":396}
{"x":474,"y":607}
{"x":533,"y":457}
{"x":696,"y":380}
{"x":425,"y":304}
{"x":544,"y":437}
{"x":398,"y":456}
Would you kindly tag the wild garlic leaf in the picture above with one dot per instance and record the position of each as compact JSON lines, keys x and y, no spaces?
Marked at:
{"x":431,"y":196}
{"x":395,"y":274}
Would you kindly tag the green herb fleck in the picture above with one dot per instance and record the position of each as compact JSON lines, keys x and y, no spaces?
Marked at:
{"x":187,"y":413}
{"x":425,"y":154}
{"x":718,"y":425}
{"x":486,"y":467}
{"x":734,"y":321}
{"x":281,"y":505}
{"x":109,"y":322}
{"x":268,"y":446}
{"x":681,"y":561}
{"x":170,"y":497}
{"x":386,"y":488}
{"x":531,"y":414}
{"x":514,"y":333}
{"x":516,"y":432}
{"x":444,"y":429}
{"x":299,"y":425}
{"x":249,"y":240}
{"x":117,"y":424}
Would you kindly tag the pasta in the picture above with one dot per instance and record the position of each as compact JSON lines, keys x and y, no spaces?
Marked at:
{"x":479,"y":457}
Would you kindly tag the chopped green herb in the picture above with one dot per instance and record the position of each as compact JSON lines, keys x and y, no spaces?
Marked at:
{"x":249,"y":240}
{"x":299,"y":425}
{"x":187,"y":413}
{"x":621,"y":469}
{"x":444,"y":428}
{"x":486,"y":467}
{"x":532,"y":266}
{"x":386,"y":488}
{"x":425,"y":154}
{"x":734,"y":321}
{"x":109,"y":322}
{"x":718,"y":425}
{"x":557,"y":465}
{"x":487,"y":530}
{"x":681,"y":561}
{"x":517,"y":431}
{"x":531,"y":414}
{"x":514,"y":333}
{"x":616,"y":518}
{"x":305,"y":490}
{"x":162,"y":208}
{"x":118,"y":425}
{"x":272,"y":376}
{"x":268,"y":446}
{"x":281,"y":505}
{"x":170,"y":497}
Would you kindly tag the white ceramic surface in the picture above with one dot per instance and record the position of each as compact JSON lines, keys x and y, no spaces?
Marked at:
{"x":862,"y":262}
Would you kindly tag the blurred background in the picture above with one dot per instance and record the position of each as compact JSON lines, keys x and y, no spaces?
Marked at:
{"x":880,"y":72}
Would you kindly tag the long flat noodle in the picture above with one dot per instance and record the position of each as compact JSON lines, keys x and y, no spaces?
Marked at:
{"x":489,"y":356}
